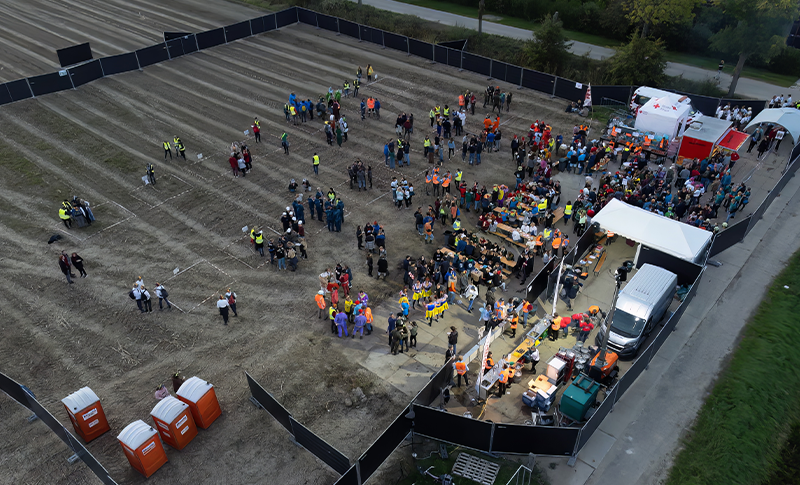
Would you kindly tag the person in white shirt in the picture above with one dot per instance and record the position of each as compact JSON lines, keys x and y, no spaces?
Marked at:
{"x":470,"y":294}
{"x":148,"y":305}
{"x":137,"y":295}
{"x":222,"y":304}
{"x":779,"y":137}
{"x":788,"y":102}
{"x":515,"y":235}
{"x":162,"y":295}
{"x":139,"y":283}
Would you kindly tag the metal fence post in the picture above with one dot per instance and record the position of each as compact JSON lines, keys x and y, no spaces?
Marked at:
{"x":358,"y":472}
{"x":555,"y":81}
{"x":359,"y":32}
{"x":491,"y":438}
{"x":521,"y":73}
{"x":491,"y":65}
{"x":338,"y":32}
{"x":408,"y":47}
{"x":137,"y":60}
{"x":166,"y":46}
{"x":574,"y":456}
{"x":225,"y":35}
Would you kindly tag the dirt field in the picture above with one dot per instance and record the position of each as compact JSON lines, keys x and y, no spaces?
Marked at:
{"x":95,"y":142}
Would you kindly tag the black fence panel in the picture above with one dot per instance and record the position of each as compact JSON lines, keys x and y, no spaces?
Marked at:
{"x":458,"y":45}
{"x":539,"y":282}
{"x":189,"y":44}
{"x":539,"y":440}
{"x":16,"y":392}
{"x":617,"y":93}
{"x":287,"y":17}
{"x":795,"y":151}
{"x":269,"y":403}
{"x":421,"y":49}
{"x":270,"y":22}
{"x":349,"y":478}
{"x":238,"y":31}
{"x":319,"y":448}
{"x":757,"y":215}
{"x":758,"y":105}
{"x":308,"y":17}
{"x":384,"y":445}
{"x":538,"y":81}
{"x":441,"y":425}
{"x":86,"y":73}
{"x":210,"y":38}
{"x":730,"y":236}
{"x":257,"y":25}
{"x":19,"y":89}
{"x":599,"y":415}
{"x":513,"y":74}
{"x":75,"y":54}
{"x":454,"y":58}
{"x":175,"y":48}
{"x":581,"y":246}
{"x":569,"y":90}
{"x":705,"y":104}
{"x":348,"y":28}
{"x":373,"y":35}
{"x":152,"y":55}
{"x":433,"y":388}
{"x":119,"y":64}
{"x":630,"y":376}
{"x":481,"y":65}
{"x":50,"y":83}
{"x":440,"y":54}
{"x":499,"y":70}
{"x":327,"y":22}
{"x":687,"y":272}
{"x":396,"y":42}
{"x":5,"y":96}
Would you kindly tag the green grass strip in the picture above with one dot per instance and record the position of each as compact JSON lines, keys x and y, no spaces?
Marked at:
{"x":746,"y":419}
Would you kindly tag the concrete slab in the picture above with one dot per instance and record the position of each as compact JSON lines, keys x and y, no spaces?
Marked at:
{"x":560,"y":473}
{"x":596,"y":448}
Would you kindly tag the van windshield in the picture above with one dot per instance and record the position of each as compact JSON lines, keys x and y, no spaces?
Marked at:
{"x":626,"y":324}
{"x":641,"y":100}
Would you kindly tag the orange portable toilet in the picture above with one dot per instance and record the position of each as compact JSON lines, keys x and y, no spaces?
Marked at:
{"x":86,"y":414}
{"x":174,"y":422}
{"x":142,"y":447}
{"x":202,"y":400}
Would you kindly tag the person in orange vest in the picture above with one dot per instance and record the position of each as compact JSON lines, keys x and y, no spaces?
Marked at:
{"x":368,"y":314}
{"x":487,"y":123}
{"x":446,"y":182}
{"x":513,"y":326}
{"x":461,"y":101}
{"x":502,"y":381}
{"x":565,"y":245}
{"x":320,"y":299}
{"x":496,"y":124}
{"x":436,"y":182}
{"x":527,"y":308}
{"x":489,"y":364}
{"x":555,"y":326}
{"x":370,"y":106}
{"x":461,"y":369}
{"x":556,"y":242}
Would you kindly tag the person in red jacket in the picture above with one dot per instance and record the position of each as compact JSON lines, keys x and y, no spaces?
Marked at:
{"x":234,"y":165}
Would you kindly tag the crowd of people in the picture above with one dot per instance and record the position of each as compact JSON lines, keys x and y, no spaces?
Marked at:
{"x":66,"y":262}
{"x":77,"y":211}
{"x":143,"y":297}
{"x":343,"y":307}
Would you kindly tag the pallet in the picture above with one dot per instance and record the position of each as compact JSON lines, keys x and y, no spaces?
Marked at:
{"x":475,"y":469}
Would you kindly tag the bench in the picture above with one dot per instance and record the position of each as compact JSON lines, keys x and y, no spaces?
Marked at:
{"x":599,"y":265}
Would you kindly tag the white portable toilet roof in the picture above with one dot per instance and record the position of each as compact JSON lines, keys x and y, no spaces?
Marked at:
{"x":80,"y":399}
{"x":194,"y":388}
{"x":168,"y":409}
{"x":135,"y":434}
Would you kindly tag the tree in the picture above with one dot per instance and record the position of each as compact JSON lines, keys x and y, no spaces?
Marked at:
{"x":646,"y":13}
{"x":549,"y":48}
{"x":639,"y":62}
{"x":760,"y":30}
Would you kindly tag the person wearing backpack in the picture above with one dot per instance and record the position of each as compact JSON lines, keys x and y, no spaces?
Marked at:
{"x":136,"y":294}
{"x":162,"y":295}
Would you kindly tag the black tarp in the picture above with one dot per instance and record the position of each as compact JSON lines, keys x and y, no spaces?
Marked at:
{"x":441,"y":425}
{"x":308,"y":17}
{"x":319,"y":448}
{"x":481,"y":65}
{"x":269,"y":403}
{"x":50,"y":83}
{"x":119,"y":64}
{"x":686,"y":271}
{"x":539,"y":440}
{"x":440,"y":54}
{"x":428,"y":394}
{"x":568,"y":90}
{"x":210,"y":38}
{"x":270,"y":22}
{"x":257,"y":25}
{"x":620,"y":94}
{"x":454,"y":58}
{"x":238,"y":31}
{"x":86,"y":73}
{"x":75,"y":54}
{"x":458,"y":45}
{"x":5,"y":96}
{"x":175,"y":48}
{"x":286,"y":17}
{"x":152,"y":55}
{"x":499,"y":70}
{"x":513,"y":74}
{"x":385,"y":445}
{"x":396,"y":42}
{"x":189,"y":44}
{"x":421,"y":49}
{"x":327,"y":22}
{"x":730,"y":236}
{"x":538,"y":81}
{"x":348,"y":28}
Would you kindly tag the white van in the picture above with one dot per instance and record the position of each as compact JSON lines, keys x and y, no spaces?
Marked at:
{"x":641,"y":304}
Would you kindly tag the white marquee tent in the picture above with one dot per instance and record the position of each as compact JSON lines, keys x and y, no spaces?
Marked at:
{"x":788,"y":118}
{"x":652,"y":230}
{"x":663,"y":116}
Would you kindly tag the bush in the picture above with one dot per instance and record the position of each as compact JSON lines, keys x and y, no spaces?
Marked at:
{"x":707,"y":87}
{"x":787,"y":62}
{"x":639,"y":62}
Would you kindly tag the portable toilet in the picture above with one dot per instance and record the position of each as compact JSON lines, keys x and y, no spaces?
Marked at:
{"x":142,"y":447}
{"x":86,"y":414}
{"x":174,"y":422}
{"x":202,"y":400}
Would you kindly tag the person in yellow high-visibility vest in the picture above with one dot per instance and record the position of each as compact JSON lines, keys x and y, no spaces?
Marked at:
{"x":65,"y":217}
{"x":542,"y":205}
{"x":567,"y":212}
{"x":167,"y":150}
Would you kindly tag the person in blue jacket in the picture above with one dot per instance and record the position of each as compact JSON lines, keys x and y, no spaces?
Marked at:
{"x":377,"y":108}
{"x":311,"y":206}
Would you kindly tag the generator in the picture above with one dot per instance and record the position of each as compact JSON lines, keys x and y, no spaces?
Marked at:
{"x":578,"y":398}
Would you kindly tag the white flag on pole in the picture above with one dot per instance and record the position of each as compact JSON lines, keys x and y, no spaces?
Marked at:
{"x":588,"y":99}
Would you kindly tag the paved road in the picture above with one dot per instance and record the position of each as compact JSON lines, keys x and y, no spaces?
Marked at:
{"x":747,"y":87}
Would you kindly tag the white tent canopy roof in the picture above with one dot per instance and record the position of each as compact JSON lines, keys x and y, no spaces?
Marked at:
{"x":788,"y":118}
{"x":707,"y":128}
{"x":658,"y":232}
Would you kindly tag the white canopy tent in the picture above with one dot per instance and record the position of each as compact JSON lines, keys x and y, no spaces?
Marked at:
{"x":663,"y":116}
{"x":658,"y":232}
{"x":788,"y":118}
